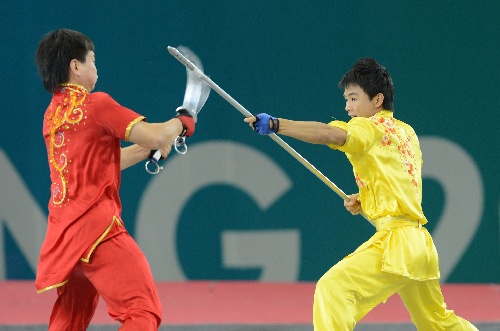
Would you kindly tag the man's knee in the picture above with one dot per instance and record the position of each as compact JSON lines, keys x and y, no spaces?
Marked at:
{"x":335,"y":280}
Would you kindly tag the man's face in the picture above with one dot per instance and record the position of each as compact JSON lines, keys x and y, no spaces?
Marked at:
{"x":88,"y":71}
{"x":358,"y":103}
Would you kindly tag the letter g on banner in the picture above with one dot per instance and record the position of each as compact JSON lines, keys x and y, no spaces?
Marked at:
{"x":213,"y":163}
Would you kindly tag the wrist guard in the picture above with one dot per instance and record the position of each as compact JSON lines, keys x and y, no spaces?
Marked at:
{"x":187,"y":125}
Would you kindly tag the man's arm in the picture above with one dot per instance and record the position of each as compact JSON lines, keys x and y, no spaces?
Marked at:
{"x":154,"y":136}
{"x":133,"y":154}
{"x":308,"y":131}
{"x":313,"y":132}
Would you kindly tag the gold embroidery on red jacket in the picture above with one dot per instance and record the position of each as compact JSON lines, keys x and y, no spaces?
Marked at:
{"x":64,"y":117}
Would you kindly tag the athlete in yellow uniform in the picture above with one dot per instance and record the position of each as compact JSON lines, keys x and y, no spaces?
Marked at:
{"x":387,"y":162}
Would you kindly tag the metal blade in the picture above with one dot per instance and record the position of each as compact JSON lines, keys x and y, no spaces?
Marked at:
{"x":197,"y":91}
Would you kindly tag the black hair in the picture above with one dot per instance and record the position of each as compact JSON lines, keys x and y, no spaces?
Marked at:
{"x":55,"y":52}
{"x":372,"y":78}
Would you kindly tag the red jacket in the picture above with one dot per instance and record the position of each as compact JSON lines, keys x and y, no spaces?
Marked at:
{"x":82,"y":132}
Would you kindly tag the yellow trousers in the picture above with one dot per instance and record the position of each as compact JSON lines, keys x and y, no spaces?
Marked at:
{"x":357,"y":284}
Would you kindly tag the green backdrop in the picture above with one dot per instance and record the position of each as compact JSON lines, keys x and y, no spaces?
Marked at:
{"x":237,"y":206}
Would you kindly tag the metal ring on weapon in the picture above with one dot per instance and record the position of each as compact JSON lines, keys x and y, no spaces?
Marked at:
{"x":157,"y":169}
{"x":180,"y":145}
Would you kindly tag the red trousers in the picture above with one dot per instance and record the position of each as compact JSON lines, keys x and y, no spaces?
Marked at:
{"x":118,"y":272}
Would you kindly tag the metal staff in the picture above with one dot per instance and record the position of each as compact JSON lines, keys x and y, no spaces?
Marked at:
{"x":175,"y":53}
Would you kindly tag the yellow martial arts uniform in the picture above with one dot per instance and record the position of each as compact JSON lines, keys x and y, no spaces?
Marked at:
{"x":400,"y":257}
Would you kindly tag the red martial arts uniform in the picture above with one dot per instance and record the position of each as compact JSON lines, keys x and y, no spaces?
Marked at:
{"x":87,"y":251}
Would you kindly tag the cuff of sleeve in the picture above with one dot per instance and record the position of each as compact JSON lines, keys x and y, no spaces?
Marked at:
{"x":131,"y":124}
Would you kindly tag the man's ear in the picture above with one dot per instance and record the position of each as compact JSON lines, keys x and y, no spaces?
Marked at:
{"x":73,"y":67}
{"x":379,"y":100}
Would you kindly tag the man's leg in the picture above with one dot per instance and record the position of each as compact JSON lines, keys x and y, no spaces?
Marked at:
{"x":122,"y":276}
{"x":351,"y":288}
{"x":75,"y":305}
{"x":425,"y":303}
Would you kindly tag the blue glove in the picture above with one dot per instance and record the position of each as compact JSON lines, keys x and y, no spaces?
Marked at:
{"x":266,"y":124}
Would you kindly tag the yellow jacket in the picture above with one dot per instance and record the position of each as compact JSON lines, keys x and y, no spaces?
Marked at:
{"x":387,"y":163}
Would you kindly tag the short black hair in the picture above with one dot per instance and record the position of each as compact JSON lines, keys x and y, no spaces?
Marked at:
{"x":372,"y":78}
{"x":55,"y":52}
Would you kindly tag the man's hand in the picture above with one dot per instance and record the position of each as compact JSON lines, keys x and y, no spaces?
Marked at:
{"x":353,"y":205}
{"x":263,"y":123}
{"x":164,"y":152}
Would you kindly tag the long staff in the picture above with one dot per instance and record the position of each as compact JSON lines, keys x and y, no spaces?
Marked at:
{"x":182,"y":59}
